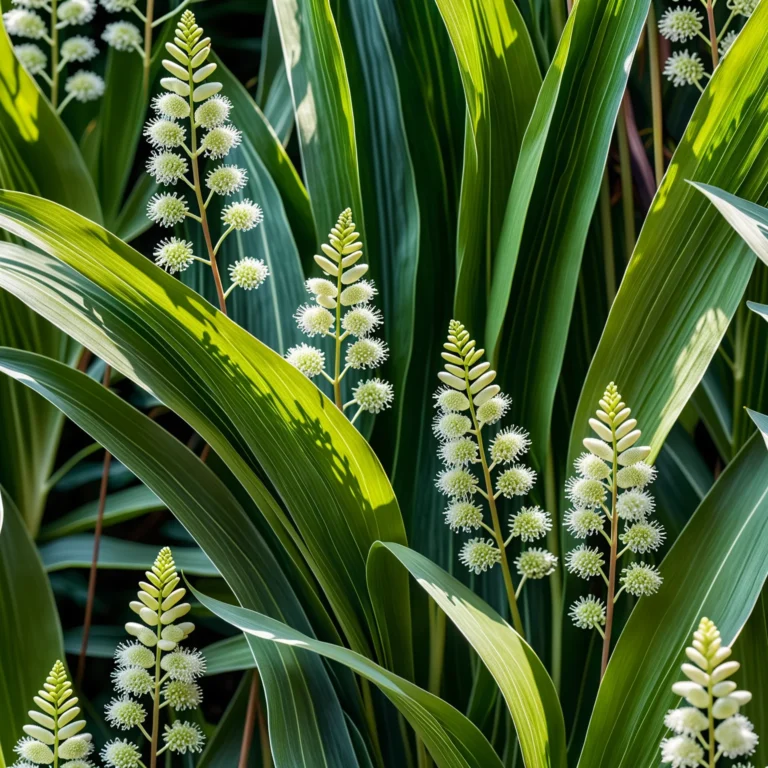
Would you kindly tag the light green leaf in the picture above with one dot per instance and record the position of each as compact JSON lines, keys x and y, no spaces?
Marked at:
{"x":761,"y":422}
{"x":760,"y":309}
{"x":714,"y":569}
{"x":230,"y":655}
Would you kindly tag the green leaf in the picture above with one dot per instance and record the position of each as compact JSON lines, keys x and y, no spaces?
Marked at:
{"x":501,"y":81}
{"x":522,"y":679}
{"x":102,"y":640}
{"x":760,"y":309}
{"x":30,"y":640}
{"x":230,"y":655}
{"x":295,"y":683}
{"x":452,"y":740}
{"x":714,"y":569}
{"x":761,"y":422}
{"x":119,"y":507}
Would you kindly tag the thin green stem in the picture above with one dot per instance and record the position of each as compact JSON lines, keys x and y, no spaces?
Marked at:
{"x":147,"y":52}
{"x":64,"y":103}
{"x":520,"y":586}
{"x":337,"y":354}
{"x":712,"y":756}
{"x":155,"y":740}
{"x":556,"y":580}
{"x":180,"y":7}
{"x":656,"y":101}
{"x":613,"y":558}
{"x":436,"y":647}
{"x":726,"y":25}
{"x":54,"y":43}
{"x":627,"y":195}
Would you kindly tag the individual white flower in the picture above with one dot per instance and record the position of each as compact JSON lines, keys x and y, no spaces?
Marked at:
{"x":166,"y":167}
{"x":643,"y":537}
{"x":636,"y":475}
{"x":220,"y":141}
{"x":362,"y":320}
{"x":582,"y":522}
{"x":494,"y":409}
{"x":725,"y":45}
{"x":509,"y":444}
{"x":319,"y":286}
{"x":308,"y":359}
{"x":174,"y":254}
{"x":243,"y":215}
{"x":592,"y":467}
{"x":680,"y":24}
{"x":248,"y":273}
{"x":585,"y":562}
{"x":683,"y":68}
{"x":183,"y":737}
{"x":457,"y":482}
{"x":588,"y":612}
{"x":641,"y":579}
{"x":182,"y":695}
{"x":167,"y":209}
{"x":133,"y":680}
{"x":31,"y":3}
{"x":743,"y":7}
{"x":34,"y":751}
{"x":76,"y":747}
{"x":184,"y":664}
{"x":115,"y":6}
{"x":31,"y":57}
{"x":479,"y":555}
{"x":84,"y":86}
{"x":535,"y":563}
{"x":123,"y":36}
{"x":681,"y":752}
{"x":736,"y":736}
{"x":686,"y":721}
{"x":171,"y":106}
{"x":373,"y":395}
{"x":164,"y":133}
{"x":125,"y":713}
{"x":458,"y":453}
{"x":366,"y":353}
{"x":134,"y":655}
{"x":635,"y":505}
{"x":226,"y":179}
{"x":530,"y":523}
{"x":359,"y":293}
{"x":121,"y":753}
{"x":451,"y":425}
{"x":463,"y":516}
{"x":515,"y":481}
{"x":585,"y":493}
{"x":214,"y":112}
{"x":313,"y":320}
{"x":23,"y":23}
{"x":74,"y":12}
{"x":78,"y":48}
{"x":447,"y":399}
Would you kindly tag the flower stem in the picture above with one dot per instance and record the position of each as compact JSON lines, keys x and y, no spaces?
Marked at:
{"x":656,"y":102}
{"x":252,"y":715}
{"x":613,"y":559}
{"x":337,"y":357}
{"x":627,"y":197}
{"x":156,"y":698}
{"x":712,"y":33}
{"x":147,"y":52}
{"x":54,"y":57}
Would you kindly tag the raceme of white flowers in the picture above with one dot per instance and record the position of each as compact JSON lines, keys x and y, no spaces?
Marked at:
{"x":611,"y":488}
{"x":709,"y":726}
{"x":153,"y":665}
{"x":190,"y":105}
{"x":25,"y":20}
{"x":56,"y":737}
{"x":468,"y":403}
{"x":683,"y":24}
{"x":342,"y":308}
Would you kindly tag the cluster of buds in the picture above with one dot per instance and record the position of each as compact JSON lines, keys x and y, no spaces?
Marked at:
{"x":712,"y":726}
{"x":154,"y":664}
{"x":683,"y":24}
{"x":57,"y":736}
{"x":190,"y":104}
{"x":123,"y":35}
{"x":469,"y":402}
{"x":24,"y":20}
{"x":612,"y":471}
{"x":355,"y":324}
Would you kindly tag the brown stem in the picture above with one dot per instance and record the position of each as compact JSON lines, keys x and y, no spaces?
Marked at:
{"x":613,"y":562}
{"x":712,"y":33}
{"x":254,"y":713}
{"x":95,"y":557}
{"x":656,"y":101}
{"x":147,"y":47}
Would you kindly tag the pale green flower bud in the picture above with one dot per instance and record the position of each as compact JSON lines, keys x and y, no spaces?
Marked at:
{"x":463,"y":516}
{"x":78,"y":48}
{"x":641,"y":579}
{"x":374,"y":395}
{"x":123,"y":36}
{"x":167,"y":209}
{"x":121,"y":753}
{"x":214,"y":112}
{"x":84,"y":86}
{"x":479,"y":555}
{"x":184,"y":664}
{"x":74,"y":12}
{"x":457,"y":482}
{"x":529,"y":524}
{"x":226,"y":179}
{"x":243,"y":215}
{"x":588,"y":612}
{"x":451,"y":425}
{"x":366,"y":353}
{"x":219,"y":141}
{"x":509,"y":444}
{"x":515,"y":481}
{"x":25,"y":23}
{"x":248,"y":273}
{"x":585,"y":562}
{"x":535,"y":563}
{"x":183,"y":737}
{"x":309,"y":360}
{"x":683,"y":68}
{"x":31,"y":57}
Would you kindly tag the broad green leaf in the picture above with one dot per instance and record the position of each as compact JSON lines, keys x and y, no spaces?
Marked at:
{"x":714,"y":569}
{"x":118,"y":554}
{"x":119,"y":507}
{"x":30,"y":639}
{"x":452,"y":740}
{"x":501,"y":81}
{"x":521,"y":677}
{"x":296,"y":683}
{"x":230,"y":655}
{"x":252,"y":407}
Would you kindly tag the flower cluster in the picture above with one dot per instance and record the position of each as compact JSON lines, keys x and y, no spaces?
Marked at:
{"x":25,"y":21}
{"x":612,"y":471}
{"x":154,"y":664}
{"x":342,"y":308}
{"x":720,"y":728}
{"x":188,"y":105}
{"x":56,"y":736}
{"x":468,"y":402}
{"x":683,"y":24}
